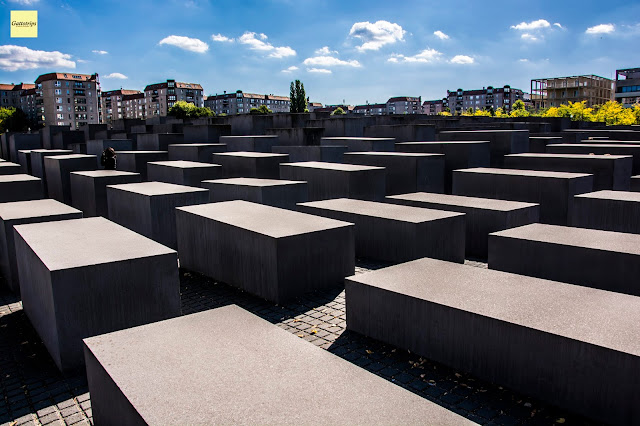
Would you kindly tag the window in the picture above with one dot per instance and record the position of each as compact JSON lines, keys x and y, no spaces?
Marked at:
{"x":58,"y":92}
{"x":58,"y":100}
{"x":57,"y":84}
{"x":58,"y":108}
{"x":60,"y":116}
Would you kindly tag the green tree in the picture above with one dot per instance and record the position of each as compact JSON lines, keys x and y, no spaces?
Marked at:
{"x":298,"y":97}
{"x":263,"y":109}
{"x":338,"y":111}
{"x":182,"y":109}
{"x":13,"y":120}
{"x":519,"y":109}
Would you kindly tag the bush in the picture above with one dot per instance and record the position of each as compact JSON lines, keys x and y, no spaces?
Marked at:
{"x":182,"y":109}
{"x":260,"y":110}
{"x":338,"y":111}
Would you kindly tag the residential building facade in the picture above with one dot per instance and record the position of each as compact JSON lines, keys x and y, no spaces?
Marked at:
{"x":67,"y":99}
{"x":404,"y":105}
{"x":370,"y":109}
{"x":239,"y":102}
{"x":160,"y":97}
{"x":28,"y":103}
{"x":112,"y":104}
{"x":553,"y":92}
{"x":628,"y":87}
{"x":134,"y":106}
{"x":434,"y":107}
{"x":504,"y":97}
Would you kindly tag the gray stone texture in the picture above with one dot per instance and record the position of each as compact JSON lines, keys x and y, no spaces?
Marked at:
{"x":395,"y":233}
{"x":599,"y":149}
{"x":66,"y":138}
{"x":158,"y":141}
{"x":324,"y":153}
{"x":89,"y":189}
{"x":554,"y":191}
{"x":635,"y":184}
{"x":18,"y":141}
{"x":576,"y":347}
{"x":24,"y":159}
{"x":206,"y":133}
{"x":46,"y":135}
{"x":58,"y":169}
{"x":539,"y":143}
{"x":201,"y":152}
{"x":608,"y":211}
{"x":503,"y":142}
{"x":250,"y":164}
{"x":180,"y":172}
{"x":309,"y":136}
{"x":19,"y":187}
{"x":37,"y":163}
{"x":97,"y":146}
{"x":361,"y":143}
{"x":85,"y":277}
{"x":403,"y":132}
{"x":263,"y":143}
{"x":9,"y":168}
{"x":136,"y":161}
{"x":273,"y":253}
{"x":271,"y":192}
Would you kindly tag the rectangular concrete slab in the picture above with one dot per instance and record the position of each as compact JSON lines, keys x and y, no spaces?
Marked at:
{"x":19,"y":187}
{"x":97,"y":146}
{"x":89,"y":189}
{"x":325,"y":153}
{"x":258,"y":143}
{"x":9,"y":168}
{"x":333,"y":180}
{"x":361,"y":143}
{"x":159,"y":141}
{"x":599,"y":149}
{"x":402,"y":132}
{"x":277,"y":254}
{"x":180,"y":172}
{"x":539,"y":143}
{"x":635,"y":184}
{"x":58,"y":169}
{"x":205,"y":351}
{"x":554,"y":191}
{"x":24,"y":159}
{"x":395,"y":233}
{"x":201,"y":152}
{"x":18,"y":141}
{"x":37,"y":159}
{"x":136,"y":161}
{"x":250,"y":164}
{"x":272,"y":192}
{"x":205,"y":133}
{"x":84,"y":277}
{"x":575,"y":347}
{"x":482,"y":215}
{"x":503,"y":142}
{"x":608,"y":211}
{"x":593,"y":258}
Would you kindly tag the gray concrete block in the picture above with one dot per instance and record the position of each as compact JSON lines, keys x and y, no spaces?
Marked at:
{"x":457,"y":155}
{"x":278,"y":254}
{"x":324,"y":153}
{"x":395,"y":233}
{"x":405,"y":171}
{"x":189,"y":173}
{"x":599,"y":149}
{"x":539,"y":144}
{"x":37,"y":163}
{"x":608,"y":211}
{"x":250,"y":164}
{"x":503,"y":142}
{"x":24,"y":159}
{"x":58,"y":169}
{"x":609,"y":171}
{"x":97,"y":146}
{"x":18,"y":141}
{"x":216,"y":354}
{"x":136,"y":161}
{"x":332,"y":180}
{"x":635,"y":184}
{"x":20,"y":213}
{"x":403,"y":132}
{"x":361,"y":144}
{"x":158,"y":141}
{"x":575,"y":347}
{"x":66,"y":138}
{"x":85,"y":277}
{"x":271,"y":192}
{"x":206,"y":133}
{"x":148,"y":208}
{"x":201,"y":152}
{"x":19,"y":187}
{"x":588,"y":257}
{"x":554,"y":191}
{"x":483,"y":215}
{"x":263,"y":143}
{"x":9,"y":168}
{"x":309,"y":136}
{"x":46,"y":135}
{"x":89,"y":189}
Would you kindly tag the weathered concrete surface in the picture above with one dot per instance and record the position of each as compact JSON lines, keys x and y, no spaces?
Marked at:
{"x":599,"y":149}
{"x":332,"y":180}
{"x":18,"y":141}
{"x":9,"y":168}
{"x":19,"y":187}
{"x":189,"y":173}
{"x":256,"y":143}
{"x":278,"y":254}
{"x":89,"y":189}
{"x":608,"y":211}
{"x":158,"y":141}
{"x":206,"y":133}
{"x":503,"y":142}
{"x":97,"y":146}
{"x":323,"y":153}
{"x":361,"y":144}
{"x":271,"y":192}
{"x":24,"y":159}
{"x":206,"y":348}
{"x":37,"y":162}
{"x":554,"y":191}
{"x":250,"y":164}
{"x":403,"y":132}
{"x":482,"y":215}
{"x":588,"y":257}
{"x":201,"y":152}
{"x":58,"y":168}
{"x":136,"y":161}
{"x":539,"y":143}
{"x":309,"y":136}
{"x":635,"y":184}
{"x":576,"y":347}
{"x":395,"y":233}
{"x":46,"y":135}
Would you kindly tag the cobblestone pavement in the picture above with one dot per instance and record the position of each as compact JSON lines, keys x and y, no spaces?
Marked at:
{"x":33,"y":391}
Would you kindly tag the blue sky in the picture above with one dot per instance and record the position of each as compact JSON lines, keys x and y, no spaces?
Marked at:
{"x":354,"y":50}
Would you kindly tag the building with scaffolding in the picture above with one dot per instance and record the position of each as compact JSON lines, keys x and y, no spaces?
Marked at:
{"x":553,"y":92}
{"x":628,"y":86}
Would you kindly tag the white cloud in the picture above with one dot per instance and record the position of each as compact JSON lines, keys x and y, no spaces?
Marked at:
{"x":441,"y":35}
{"x":426,"y":56}
{"x":186,"y":43}
{"x":325,"y":51}
{"x":291,"y":69}
{"x":14,"y":58}
{"x":221,"y":38}
{"x":533,"y":25}
{"x":25,"y":2}
{"x":100,"y":52}
{"x":601,"y":29}
{"x":558,"y":25}
{"x":462,"y":60}
{"x":330,"y":61}
{"x":523,"y":60}
{"x":257,"y":42}
{"x":376,"y":35}
{"x":529,"y":37}
{"x":82,"y":61}
{"x":319,"y":70}
{"x":117,"y":75}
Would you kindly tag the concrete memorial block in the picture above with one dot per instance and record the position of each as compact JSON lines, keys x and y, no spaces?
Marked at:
{"x":205,"y":348}
{"x":262,"y":143}
{"x":554,"y":191}
{"x":361,"y":144}
{"x":181,"y":172}
{"x":599,"y":149}
{"x":405,"y":171}
{"x":46,"y":135}
{"x":18,"y":141}
{"x":539,"y":143}
{"x":206,"y":133}
{"x":608,"y":211}
{"x":85,"y":277}
{"x":37,"y":162}
{"x":272,"y":192}
{"x":396,"y":233}
{"x":588,"y":257}
{"x":274,"y":253}
{"x":635,"y":184}
{"x":309,"y":136}
{"x":19,"y":187}
{"x":58,"y":169}
{"x":96,"y":147}
{"x":250,"y":164}
{"x":503,"y":142}
{"x":9,"y":168}
{"x":402,"y":132}
{"x":148,"y":208}
{"x":158,"y":141}
{"x":136,"y":161}
{"x":483,"y":215}
{"x":89,"y":189}
{"x":609,"y":171}
{"x":333,"y":180}
{"x":78,"y":148}
{"x":20,"y":213}
{"x":91,"y":130}
{"x":201,"y":152}
{"x":575,"y":347}
{"x":24,"y":159}
{"x":66,"y":138}
{"x":4,"y":144}
{"x":324,"y":153}
{"x":457,"y":155}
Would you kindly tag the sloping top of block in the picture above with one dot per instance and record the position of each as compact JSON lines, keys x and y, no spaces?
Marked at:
{"x":462,"y":201}
{"x":445,"y":143}
{"x":571,"y":156}
{"x":255,"y":182}
{"x":516,"y":172}
{"x":34,"y":208}
{"x":156,"y":188}
{"x":613,"y":195}
{"x":141,"y":152}
{"x":69,"y":157}
{"x":394,"y":154}
{"x":347,"y":139}
{"x":17,"y":178}
{"x":105,"y":173}
{"x":251,"y":154}
{"x":182,"y":164}
{"x":332,"y":166}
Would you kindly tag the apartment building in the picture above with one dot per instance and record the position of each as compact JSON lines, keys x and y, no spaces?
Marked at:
{"x":370,"y":109}
{"x":239,"y":102}
{"x":67,"y":99}
{"x":434,"y":107}
{"x":628,"y":87}
{"x":504,"y":97}
{"x":404,"y":105}
{"x":160,"y":97}
{"x":552,"y":92}
{"x":134,"y":106}
{"x":112,"y":104}
{"x":28,"y":103}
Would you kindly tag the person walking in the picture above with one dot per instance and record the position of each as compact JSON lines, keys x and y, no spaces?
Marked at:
{"x":108,"y":159}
